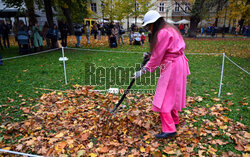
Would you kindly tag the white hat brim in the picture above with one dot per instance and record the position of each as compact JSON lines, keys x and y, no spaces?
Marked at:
{"x":151,"y":21}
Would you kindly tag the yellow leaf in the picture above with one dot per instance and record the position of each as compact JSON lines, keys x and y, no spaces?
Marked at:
{"x":246,"y":155}
{"x":6,"y":148}
{"x":59,"y":135}
{"x":142,"y":149}
{"x":92,"y":155}
{"x":247,"y":148}
{"x":223,"y":127}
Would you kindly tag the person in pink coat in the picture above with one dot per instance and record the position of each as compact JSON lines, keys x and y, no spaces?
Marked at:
{"x":167,"y":47}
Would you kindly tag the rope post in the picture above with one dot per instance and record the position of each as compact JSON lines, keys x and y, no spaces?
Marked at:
{"x":65,"y":74}
{"x":221,"y":77}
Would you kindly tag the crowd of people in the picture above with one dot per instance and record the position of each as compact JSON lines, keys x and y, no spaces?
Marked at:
{"x":31,"y":38}
{"x":212,"y":31}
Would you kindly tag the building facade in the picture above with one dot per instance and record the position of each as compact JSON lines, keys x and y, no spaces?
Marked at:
{"x":175,"y":10}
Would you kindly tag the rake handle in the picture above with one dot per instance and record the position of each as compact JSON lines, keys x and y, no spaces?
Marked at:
{"x":130,"y":85}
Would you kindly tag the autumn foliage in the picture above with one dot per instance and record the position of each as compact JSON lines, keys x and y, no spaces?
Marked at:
{"x":73,"y":123}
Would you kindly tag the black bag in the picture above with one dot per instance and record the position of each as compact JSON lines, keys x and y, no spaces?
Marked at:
{"x":122,"y":31}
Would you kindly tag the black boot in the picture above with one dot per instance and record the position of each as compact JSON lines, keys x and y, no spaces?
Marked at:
{"x":165,"y":135}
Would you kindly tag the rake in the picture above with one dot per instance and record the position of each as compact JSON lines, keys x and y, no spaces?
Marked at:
{"x":111,"y":113}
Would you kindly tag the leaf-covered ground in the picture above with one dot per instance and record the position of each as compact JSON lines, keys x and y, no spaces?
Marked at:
{"x":72,"y":123}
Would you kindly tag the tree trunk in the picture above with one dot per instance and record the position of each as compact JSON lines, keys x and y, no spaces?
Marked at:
{"x":194,"y":21}
{"x":195,"y":17}
{"x":128,"y":23}
{"x":242,"y":20}
{"x":67,"y":14}
{"x":49,"y":13}
{"x":31,"y":11}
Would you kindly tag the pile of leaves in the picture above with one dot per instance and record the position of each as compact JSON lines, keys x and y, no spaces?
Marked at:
{"x":73,"y":123}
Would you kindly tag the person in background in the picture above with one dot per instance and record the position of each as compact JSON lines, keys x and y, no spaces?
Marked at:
{"x":100,"y":27}
{"x":202,"y":31}
{"x":95,"y":30}
{"x":245,"y":28}
{"x":182,"y":29}
{"x":23,"y":38}
{"x":131,"y":37}
{"x":137,"y":38}
{"x":6,"y":32}
{"x":167,"y":52}
{"x":45,"y":31}
{"x":120,"y":34}
{"x":208,"y":31}
{"x":213,"y":30}
{"x":31,"y":38}
{"x":109,"y":28}
{"x":237,"y":31}
{"x":37,"y":35}
{"x":1,"y":34}
{"x":114,"y":35}
{"x":87,"y":32}
{"x":64,"y":30}
{"x":53,"y":35}
{"x":78,"y":34}
{"x":15,"y":29}
{"x":142,"y":39}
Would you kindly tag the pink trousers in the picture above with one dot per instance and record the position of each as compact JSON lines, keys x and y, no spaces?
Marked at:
{"x":168,"y":121}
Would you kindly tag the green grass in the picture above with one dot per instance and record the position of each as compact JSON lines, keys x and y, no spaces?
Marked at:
{"x":23,"y":78}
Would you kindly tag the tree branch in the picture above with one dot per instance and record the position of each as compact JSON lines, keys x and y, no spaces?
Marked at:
{"x":182,"y":7}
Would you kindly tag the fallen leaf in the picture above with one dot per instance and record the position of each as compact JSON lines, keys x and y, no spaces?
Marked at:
{"x":200,"y":153}
{"x":90,"y":145}
{"x":7,"y":148}
{"x":92,"y":155}
{"x":61,"y":134}
{"x":103,"y":150}
{"x":142,"y":149}
{"x":81,"y":153}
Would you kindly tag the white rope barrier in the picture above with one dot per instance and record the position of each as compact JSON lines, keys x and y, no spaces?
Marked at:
{"x":30,"y":54}
{"x":18,"y":153}
{"x":237,"y":65}
{"x":221,"y":77}
{"x":95,"y":50}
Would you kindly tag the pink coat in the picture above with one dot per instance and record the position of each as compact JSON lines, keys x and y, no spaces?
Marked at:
{"x":169,"y":55}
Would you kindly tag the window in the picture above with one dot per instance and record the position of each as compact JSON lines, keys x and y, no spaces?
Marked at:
{"x":177,"y":7}
{"x":93,"y":7}
{"x":186,"y":6}
{"x":161,"y":7}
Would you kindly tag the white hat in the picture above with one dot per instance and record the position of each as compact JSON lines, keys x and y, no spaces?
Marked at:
{"x":150,"y":17}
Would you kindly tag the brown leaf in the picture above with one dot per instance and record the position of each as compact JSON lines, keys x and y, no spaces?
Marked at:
{"x":84,"y":137}
{"x":122,"y":152}
{"x":62,"y":144}
{"x":200,"y":152}
{"x":239,"y":147}
{"x":103,"y":150}
{"x":19,"y":147}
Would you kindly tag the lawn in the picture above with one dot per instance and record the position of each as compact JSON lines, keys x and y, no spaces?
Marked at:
{"x":24,"y":80}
